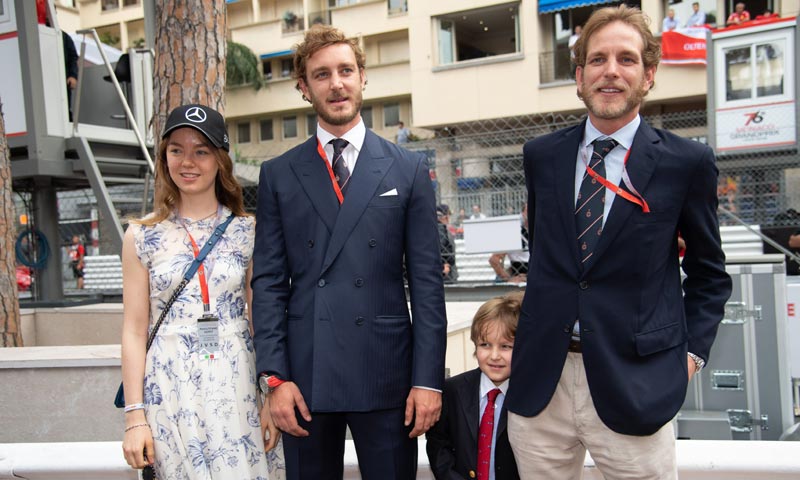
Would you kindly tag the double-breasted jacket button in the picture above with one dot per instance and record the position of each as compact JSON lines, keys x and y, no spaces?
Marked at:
{"x":583,"y":285}
{"x":359,"y":321}
{"x":373,"y":242}
{"x":321,"y":283}
{"x":359,"y":282}
{"x":311,"y":244}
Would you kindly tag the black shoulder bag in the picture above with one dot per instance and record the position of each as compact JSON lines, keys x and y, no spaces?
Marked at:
{"x":119,"y":400}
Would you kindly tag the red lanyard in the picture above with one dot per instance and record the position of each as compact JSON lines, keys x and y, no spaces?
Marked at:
{"x":201,"y":273}
{"x":336,"y":188}
{"x":634,"y":197}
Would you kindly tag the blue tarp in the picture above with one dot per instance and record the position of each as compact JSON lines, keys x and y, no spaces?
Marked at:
{"x":549,"y":6}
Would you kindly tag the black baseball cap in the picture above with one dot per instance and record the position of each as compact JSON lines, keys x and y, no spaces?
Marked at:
{"x":204,"y":119}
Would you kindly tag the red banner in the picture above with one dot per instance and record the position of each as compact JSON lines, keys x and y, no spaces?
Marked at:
{"x":684,"y":46}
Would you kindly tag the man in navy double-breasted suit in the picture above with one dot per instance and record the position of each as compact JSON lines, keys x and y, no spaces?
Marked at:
{"x":341,"y":219}
{"x":608,"y":337}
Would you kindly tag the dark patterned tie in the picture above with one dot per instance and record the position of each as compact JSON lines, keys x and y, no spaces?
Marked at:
{"x":340,"y":170}
{"x":485,"y":434}
{"x":591,"y":201}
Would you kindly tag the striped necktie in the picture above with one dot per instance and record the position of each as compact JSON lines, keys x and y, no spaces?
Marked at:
{"x":591,"y":201}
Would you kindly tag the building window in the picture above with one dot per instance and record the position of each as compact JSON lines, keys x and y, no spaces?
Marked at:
{"x":290,"y":127}
{"x":287,"y":66}
{"x":391,"y":114}
{"x":480,"y":33}
{"x":398,"y":6}
{"x":243,"y":132}
{"x":110,"y":5}
{"x":311,"y":124}
{"x":266,"y":130}
{"x":266,"y":67}
{"x":366,"y":115}
{"x":129,"y":3}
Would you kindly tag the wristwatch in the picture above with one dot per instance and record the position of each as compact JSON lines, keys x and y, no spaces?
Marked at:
{"x":699,"y":363}
{"x":268,"y":383}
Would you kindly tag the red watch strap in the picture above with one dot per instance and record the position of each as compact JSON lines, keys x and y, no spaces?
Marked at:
{"x":273,"y":381}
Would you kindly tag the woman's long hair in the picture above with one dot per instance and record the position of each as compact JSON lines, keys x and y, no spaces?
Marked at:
{"x":167,"y":195}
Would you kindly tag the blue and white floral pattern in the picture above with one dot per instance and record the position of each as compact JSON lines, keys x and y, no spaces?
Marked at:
{"x":203,"y":413}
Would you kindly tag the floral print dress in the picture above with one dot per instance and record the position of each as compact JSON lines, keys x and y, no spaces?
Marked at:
{"x":203,"y":413}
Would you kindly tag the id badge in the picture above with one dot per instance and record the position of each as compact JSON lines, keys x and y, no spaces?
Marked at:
{"x":208,"y":335}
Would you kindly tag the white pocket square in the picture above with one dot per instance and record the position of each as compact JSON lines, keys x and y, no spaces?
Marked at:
{"x":390,"y":193}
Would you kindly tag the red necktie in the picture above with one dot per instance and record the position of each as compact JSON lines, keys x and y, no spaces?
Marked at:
{"x":485,"y":434}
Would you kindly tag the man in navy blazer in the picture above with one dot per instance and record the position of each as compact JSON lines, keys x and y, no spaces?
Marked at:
{"x":608,"y":338}
{"x":339,"y":220}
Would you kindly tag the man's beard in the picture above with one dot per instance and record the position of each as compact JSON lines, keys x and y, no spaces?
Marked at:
{"x":613,"y":111}
{"x":340,"y":118}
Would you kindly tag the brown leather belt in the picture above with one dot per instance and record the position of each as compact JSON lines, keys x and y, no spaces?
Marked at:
{"x":574,"y":346}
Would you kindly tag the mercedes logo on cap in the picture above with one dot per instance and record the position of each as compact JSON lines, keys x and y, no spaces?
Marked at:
{"x":196,"y":115}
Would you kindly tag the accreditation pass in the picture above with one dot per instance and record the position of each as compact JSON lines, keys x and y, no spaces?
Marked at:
{"x":208,"y":335}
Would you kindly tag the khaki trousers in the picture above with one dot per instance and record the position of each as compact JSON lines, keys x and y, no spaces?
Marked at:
{"x":553,"y":444}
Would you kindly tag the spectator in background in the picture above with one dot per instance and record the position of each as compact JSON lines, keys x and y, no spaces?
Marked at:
{"x":767,"y":14}
{"x":70,"y":53}
{"x":671,"y":22}
{"x":447,"y":245}
{"x":77,"y":252}
{"x":71,"y":68}
{"x":739,"y":16}
{"x":462,"y":215}
{"x":517,"y":272}
{"x":476,"y":213}
{"x":573,"y":39}
{"x":698,"y":18}
{"x":402,"y":133}
{"x":571,"y":43}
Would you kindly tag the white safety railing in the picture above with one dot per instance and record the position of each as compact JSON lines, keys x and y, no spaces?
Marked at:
{"x":697,"y":460}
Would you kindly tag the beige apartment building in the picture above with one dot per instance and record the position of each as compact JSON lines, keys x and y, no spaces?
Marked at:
{"x":432,"y":64}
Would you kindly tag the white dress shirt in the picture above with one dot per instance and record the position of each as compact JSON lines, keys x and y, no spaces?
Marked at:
{"x":355,"y":138}
{"x":614,"y":160}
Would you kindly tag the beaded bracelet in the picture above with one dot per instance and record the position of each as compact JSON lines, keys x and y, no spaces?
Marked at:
{"x":137,"y":426}
{"x":134,"y":406}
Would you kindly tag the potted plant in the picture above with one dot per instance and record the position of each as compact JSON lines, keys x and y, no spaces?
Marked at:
{"x":289,"y":18}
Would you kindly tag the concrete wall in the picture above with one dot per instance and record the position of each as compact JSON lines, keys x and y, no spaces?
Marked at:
{"x":60,"y":394}
{"x":60,"y":387}
{"x":99,"y":324}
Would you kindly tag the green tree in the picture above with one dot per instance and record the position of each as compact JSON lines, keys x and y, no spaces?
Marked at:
{"x":242,"y":66}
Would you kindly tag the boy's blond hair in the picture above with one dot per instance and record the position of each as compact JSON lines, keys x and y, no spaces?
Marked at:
{"x":503,"y":310}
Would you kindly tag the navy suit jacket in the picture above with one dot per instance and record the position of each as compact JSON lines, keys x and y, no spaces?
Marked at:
{"x":637,"y":321}
{"x":452,"y":443}
{"x":329,"y":304}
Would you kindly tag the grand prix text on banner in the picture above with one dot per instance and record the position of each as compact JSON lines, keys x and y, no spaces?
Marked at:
{"x":684,"y":46}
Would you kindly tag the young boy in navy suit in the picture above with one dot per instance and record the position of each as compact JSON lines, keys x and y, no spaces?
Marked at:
{"x":470,"y":439}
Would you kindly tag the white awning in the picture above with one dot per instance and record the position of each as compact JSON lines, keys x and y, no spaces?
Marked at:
{"x":92,"y":53}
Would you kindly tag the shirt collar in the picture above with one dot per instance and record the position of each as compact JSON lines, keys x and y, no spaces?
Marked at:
{"x":623,"y":136}
{"x":354,"y":136}
{"x":487,"y":385}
